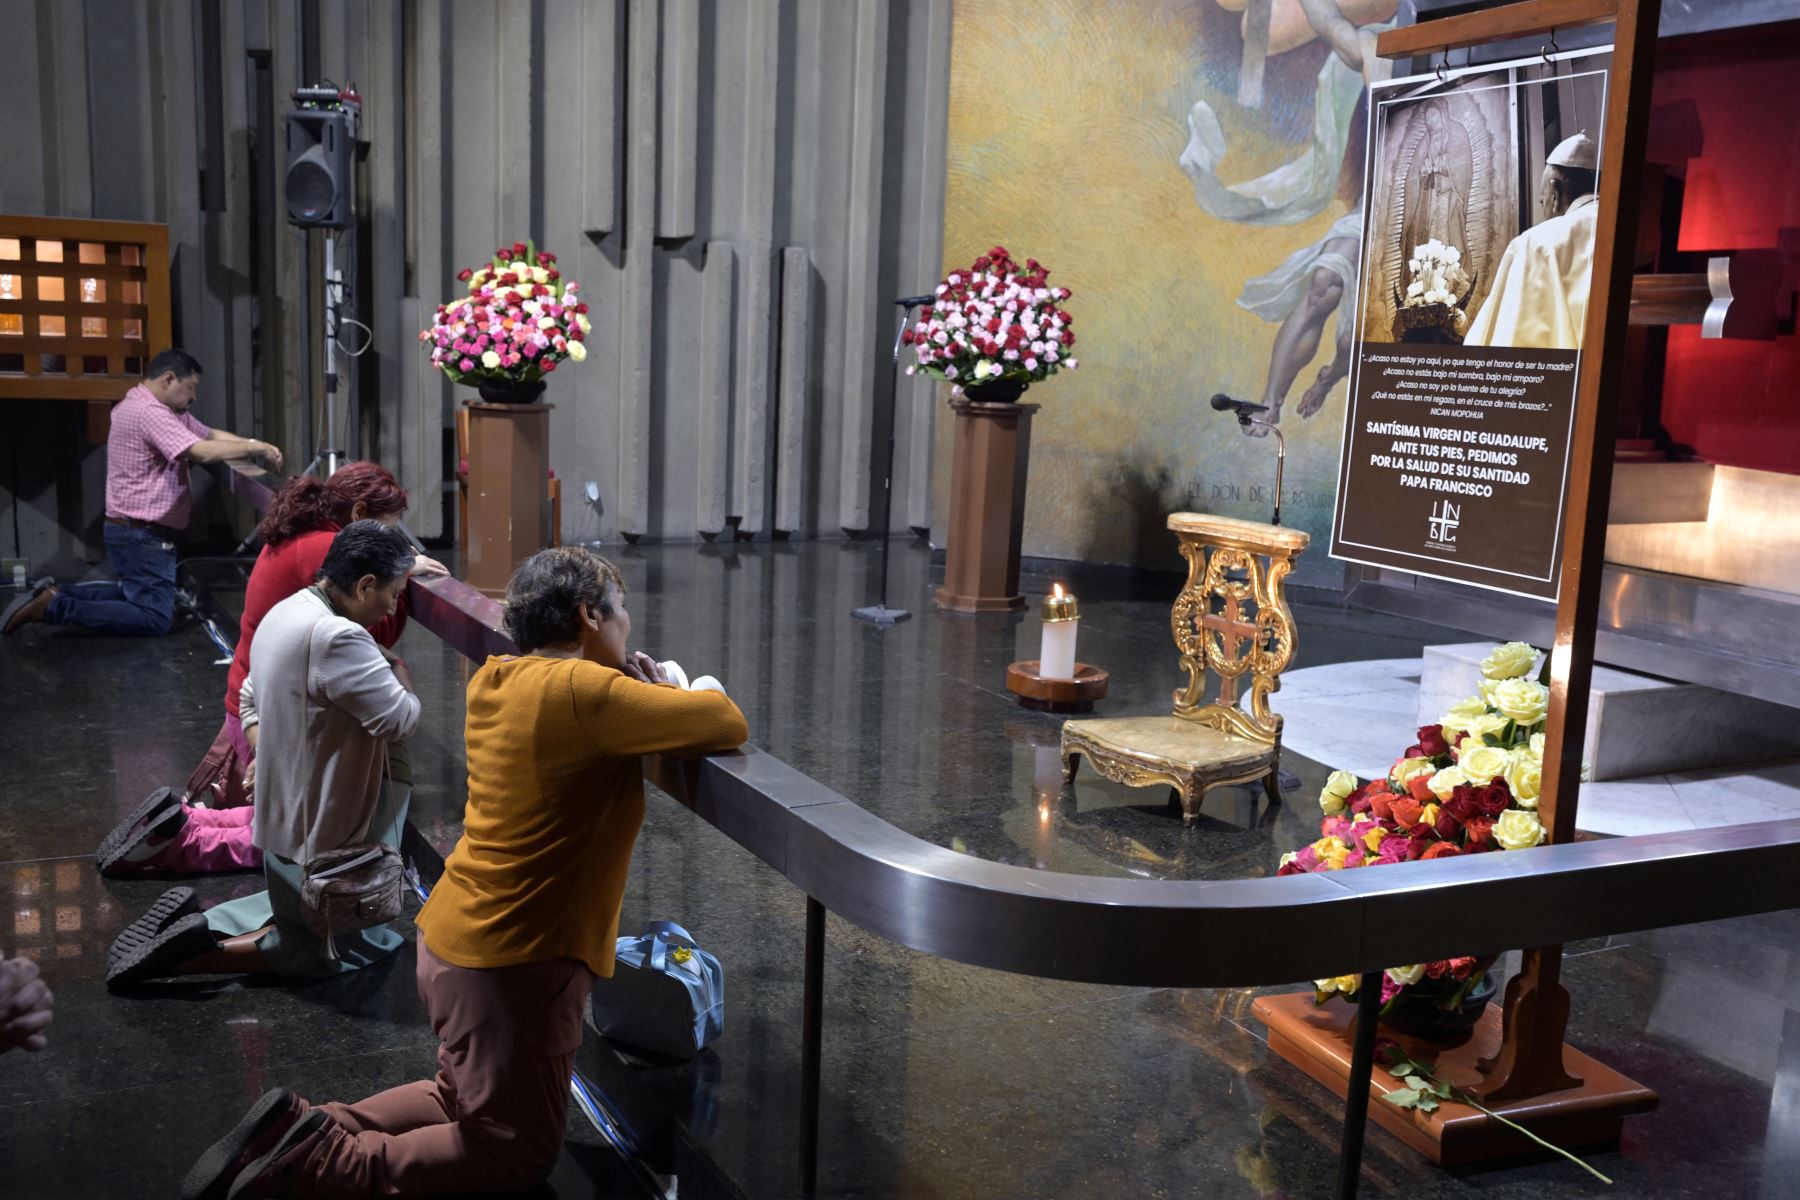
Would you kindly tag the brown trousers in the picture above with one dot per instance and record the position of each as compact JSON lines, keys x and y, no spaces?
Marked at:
{"x":493,"y":1118}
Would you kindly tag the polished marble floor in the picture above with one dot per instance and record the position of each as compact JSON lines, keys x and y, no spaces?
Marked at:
{"x":939,"y":1079}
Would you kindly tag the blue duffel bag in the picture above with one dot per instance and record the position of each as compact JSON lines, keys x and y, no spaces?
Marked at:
{"x":666,"y":995}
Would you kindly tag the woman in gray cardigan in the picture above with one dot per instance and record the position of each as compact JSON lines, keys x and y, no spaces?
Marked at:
{"x":329,"y":707}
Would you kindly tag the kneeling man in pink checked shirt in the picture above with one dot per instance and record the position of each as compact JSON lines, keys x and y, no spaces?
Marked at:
{"x":153,"y":440}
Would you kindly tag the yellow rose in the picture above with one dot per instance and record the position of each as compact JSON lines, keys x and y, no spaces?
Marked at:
{"x":1346,"y":984}
{"x":490,"y":360}
{"x":1525,"y":776}
{"x":1518,"y":830}
{"x":1509,"y":661}
{"x":1537,"y":746}
{"x":582,"y":321}
{"x":1374,"y":838}
{"x":1407,"y":975}
{"x":1447,"y":781}
{"x":1334,"y":799}
{"x":1429,"y":815}
{"x":577,"y":352}
{"x":1461,"y":713}
{"x":1482,"y":763}
{"x":1486,"y":688}
{"x":1521,"y":700}
{"x":1334,"y":858}
{"x":1408,"y":769}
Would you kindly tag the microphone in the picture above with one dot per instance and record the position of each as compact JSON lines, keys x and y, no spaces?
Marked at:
{"x":915,"y":301}
{"x":1243,"y":408}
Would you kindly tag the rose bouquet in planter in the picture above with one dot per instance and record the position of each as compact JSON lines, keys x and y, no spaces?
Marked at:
{"x":994,"y":329}
{"x":517,"y":322}
{"x":1468,"y":785}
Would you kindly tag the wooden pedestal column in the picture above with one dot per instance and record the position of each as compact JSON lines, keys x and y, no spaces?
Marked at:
{"x":987,"y":507}
{"x":509,"y":458}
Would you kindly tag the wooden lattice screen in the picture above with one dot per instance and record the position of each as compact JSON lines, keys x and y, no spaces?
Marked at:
{"x":83,"y":304}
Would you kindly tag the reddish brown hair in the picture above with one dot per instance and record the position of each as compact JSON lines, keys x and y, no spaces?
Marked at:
{"x":307,"y":504}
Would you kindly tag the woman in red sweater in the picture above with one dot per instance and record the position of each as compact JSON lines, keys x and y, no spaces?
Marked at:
{"x":207,"y":827}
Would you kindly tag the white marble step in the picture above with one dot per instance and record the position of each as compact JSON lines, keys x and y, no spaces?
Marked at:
{"x":1637,"y":725}
{"x":1361,"y":716}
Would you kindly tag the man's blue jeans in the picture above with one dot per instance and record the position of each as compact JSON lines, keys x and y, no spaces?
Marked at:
{"x":140,"y":604}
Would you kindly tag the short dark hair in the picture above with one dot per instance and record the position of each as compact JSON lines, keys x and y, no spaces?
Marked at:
{"x":545,"y":595}
{"x":366,"y":548}
{"x":1576,"y":182}
{"x":175,"y":359}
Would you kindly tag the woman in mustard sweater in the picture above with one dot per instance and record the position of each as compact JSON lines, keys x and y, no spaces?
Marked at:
{"x":523,"y":920}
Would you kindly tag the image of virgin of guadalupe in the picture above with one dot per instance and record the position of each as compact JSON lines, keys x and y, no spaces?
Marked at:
{"x":1436,"y":197}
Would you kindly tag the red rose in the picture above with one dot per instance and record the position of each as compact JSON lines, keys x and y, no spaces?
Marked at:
{"x":518,"y":249}
{"x":1493,"y":799}
{"x":1465,"y":802}
{"x":1447,"y":826}
{"x":1431,"y":742}
{"x":907,"y":337}
{"x":582,"y":307}
{"x":466,"y":274}
{"x":549,"y":365}
{"x":1441,"y":850}
{"x":1417,"y":845}
{"x":1481,"y":834}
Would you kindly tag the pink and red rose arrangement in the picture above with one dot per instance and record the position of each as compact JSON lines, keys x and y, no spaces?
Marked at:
{"x":1468,"y":785}
{"x":518,"y":321}
{"x":996,"y":320}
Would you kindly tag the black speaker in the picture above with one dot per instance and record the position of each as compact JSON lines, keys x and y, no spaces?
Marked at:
{"x":320,"y":155}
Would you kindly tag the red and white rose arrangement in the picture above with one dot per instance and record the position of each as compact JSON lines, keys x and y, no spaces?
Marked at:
{"x":518,"y":321}
{"x":994,"y":321}
{"x":1468,"y":785}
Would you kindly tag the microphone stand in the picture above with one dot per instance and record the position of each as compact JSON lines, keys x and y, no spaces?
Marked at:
{"x":879,"y":614}
{"x":1285,"y":779}
{"x":1246,"y":420}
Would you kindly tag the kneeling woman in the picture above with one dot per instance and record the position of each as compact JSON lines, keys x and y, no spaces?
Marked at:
{"x":331,"y":709}
{"x":524,"y":918}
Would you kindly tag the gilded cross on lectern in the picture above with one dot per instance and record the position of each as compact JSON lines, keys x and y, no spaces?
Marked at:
{"x":1231,"y":619}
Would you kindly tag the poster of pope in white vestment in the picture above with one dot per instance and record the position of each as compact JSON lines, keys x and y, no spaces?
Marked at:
{"x":1477,"y":253}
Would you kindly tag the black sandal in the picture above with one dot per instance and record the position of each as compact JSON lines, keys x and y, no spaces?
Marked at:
{"x":174,"y":904}
{"x":189,"y":937}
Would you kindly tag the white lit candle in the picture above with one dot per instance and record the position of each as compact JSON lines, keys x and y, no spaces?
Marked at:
{"x":1056,"y":653}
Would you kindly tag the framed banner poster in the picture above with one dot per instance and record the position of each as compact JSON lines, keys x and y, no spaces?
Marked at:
{"x":1477,"y":253}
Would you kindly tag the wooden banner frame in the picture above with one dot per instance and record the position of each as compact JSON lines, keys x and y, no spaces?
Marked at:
{"x":1528,"y":1074}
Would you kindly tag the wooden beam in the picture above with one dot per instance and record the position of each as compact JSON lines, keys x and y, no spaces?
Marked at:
{"x":1530,"y":1060}
{"x":1505,"y":24}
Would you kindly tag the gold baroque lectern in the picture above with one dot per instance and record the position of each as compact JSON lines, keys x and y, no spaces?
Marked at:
{"x":1232,"y":619}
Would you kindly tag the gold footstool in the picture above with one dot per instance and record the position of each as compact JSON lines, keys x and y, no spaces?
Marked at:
{"x":1231,"y":618}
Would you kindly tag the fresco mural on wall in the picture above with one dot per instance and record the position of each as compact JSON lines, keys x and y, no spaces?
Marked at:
{"x":1193,"y":170}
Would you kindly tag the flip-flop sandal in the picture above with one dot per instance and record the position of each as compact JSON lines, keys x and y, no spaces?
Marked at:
{"x":187,"y":938}
{"x":142,"y":822}
{"x":212,"y":1175}
{"x":175,"y":904}
{"x":290,"y":1138}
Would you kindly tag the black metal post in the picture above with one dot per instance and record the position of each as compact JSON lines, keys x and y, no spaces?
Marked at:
{"x":1356,"y":1098}
{"x":879,"y":613}
{"x":812,"y":1028}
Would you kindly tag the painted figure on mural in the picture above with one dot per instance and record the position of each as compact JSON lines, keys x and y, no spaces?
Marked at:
{"x":1318,"y":281}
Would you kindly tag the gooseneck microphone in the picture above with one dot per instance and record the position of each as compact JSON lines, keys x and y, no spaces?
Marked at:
{"x":915,"y":301}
